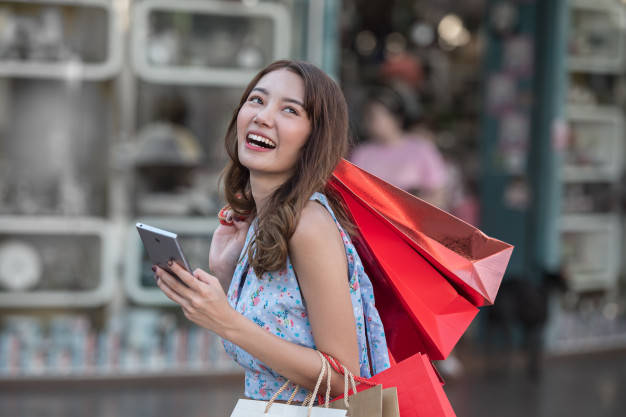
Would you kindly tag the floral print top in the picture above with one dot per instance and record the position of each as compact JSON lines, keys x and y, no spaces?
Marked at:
{"x":275,"y":303}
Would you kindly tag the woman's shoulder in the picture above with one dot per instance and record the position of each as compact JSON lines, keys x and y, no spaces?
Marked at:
{"x":315,"y":223}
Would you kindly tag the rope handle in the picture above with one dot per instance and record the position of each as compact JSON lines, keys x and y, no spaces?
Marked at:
{"x":308,"y":401}
{"x":342,"y":370}
{"x":348,"y":377}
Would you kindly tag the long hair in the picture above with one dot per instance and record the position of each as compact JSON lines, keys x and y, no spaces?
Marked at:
{"x":327,"y":144}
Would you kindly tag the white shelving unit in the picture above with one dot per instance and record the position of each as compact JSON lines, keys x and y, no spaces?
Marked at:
{"x":254,"y":36}
{"x":593,"y":159}
{"x":591,"y":223}
{"x":43,"y":235}
{"x":597,"y":37}
{"x":591,"y":248}
{"x":137,"y":264}
{"x":109,"y":321}
{"x":73,"y":67}
{"x":596,"y":149}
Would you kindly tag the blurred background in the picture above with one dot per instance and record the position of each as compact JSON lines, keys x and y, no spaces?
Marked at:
{"x":113,"y":112}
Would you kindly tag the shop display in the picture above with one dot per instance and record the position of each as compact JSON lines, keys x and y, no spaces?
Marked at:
{"x":141,"y":342}
{"x":37,"y":39}
{"x":55,"y":262}
{"x":170,"y":40}
{"x":596,"y":42}
{"x":595,"y":147}
{"x":20,"y":266}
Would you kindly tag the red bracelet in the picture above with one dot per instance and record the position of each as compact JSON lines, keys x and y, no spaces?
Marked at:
{"x":222,"y":216}
{"x":224,"y":219}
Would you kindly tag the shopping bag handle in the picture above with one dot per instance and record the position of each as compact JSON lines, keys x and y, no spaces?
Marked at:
{"x":348,"y":377}
{"x":310,"y":398}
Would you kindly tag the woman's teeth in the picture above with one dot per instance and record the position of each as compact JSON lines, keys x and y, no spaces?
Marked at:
{"x":261,"y":141}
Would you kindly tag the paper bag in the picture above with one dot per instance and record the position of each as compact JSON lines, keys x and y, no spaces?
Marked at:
{"x":420,"y":391}
{"x":430,"y":270}
{"x":255,"y":408}
{"x":372,"y":402}
{"x":472,"y":261}
{"x":420,"y":310}
{"x":419,"y":388}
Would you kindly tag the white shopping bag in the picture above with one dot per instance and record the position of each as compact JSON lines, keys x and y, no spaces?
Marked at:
{"x":255,"y":408}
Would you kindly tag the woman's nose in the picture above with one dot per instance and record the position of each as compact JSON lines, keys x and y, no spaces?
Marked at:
{"x":264,"y":117}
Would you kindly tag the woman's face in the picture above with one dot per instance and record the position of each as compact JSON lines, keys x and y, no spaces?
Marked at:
{"x":272,"y":125}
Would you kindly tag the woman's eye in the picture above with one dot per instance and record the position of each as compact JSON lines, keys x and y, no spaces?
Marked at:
{"x":291,"y":110}
{"x":256,"y":100}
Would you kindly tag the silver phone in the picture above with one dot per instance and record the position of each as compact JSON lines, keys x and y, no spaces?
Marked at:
{"x":162,"y":246}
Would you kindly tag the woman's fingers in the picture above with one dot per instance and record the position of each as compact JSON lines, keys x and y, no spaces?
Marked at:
{"x":166,"y":282}
{"x":183,"y":275}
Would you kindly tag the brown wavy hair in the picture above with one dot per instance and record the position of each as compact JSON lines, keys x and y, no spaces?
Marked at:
{"x":328,"y":142}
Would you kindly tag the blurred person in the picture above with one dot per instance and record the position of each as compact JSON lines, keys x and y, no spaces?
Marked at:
{"x":405,"y":159}
{"x":296,"y":282}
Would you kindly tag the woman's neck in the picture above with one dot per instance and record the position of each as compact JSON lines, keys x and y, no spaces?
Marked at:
{"x":262,"y":188}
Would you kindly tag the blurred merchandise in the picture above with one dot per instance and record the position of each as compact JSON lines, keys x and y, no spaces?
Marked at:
{"x":588,"y":198}
{"x":592,"y":324}
{"x":141,"y":341}
{"x":596,"y":41}
{"x":20,"y":266}
{"x":59,"y":39}
{"x":208,"y":42}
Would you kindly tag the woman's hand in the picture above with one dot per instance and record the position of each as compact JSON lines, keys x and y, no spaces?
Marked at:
{"x":226,"y":246}
{"x":200,"y":295}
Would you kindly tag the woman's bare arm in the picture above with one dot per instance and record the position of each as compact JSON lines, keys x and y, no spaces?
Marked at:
{"x":318,"y":256}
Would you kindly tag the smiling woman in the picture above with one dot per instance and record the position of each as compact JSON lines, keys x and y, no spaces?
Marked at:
{"x":296,"y":283}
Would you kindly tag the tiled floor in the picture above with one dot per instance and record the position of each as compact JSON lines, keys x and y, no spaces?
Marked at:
{"x":574,"y":386}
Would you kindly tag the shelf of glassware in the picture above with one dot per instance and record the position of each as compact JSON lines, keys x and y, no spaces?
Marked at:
{"x":56,"y":262}
{"x":195,"y":238}
{"x":591,"y":250}
{"x":596,"y":42}
{"x":60,"y":39}
{"x":596,"y":145}
{"x":207,"y":42}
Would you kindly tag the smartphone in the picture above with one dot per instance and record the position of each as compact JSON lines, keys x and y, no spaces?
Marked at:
{"x":162,"y":246}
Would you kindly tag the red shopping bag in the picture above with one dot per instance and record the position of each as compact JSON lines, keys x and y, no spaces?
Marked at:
{"x":420,"y":310}
{"x":419,"y":388}
{"x":419,"y":259}
{"x":473,"y":262}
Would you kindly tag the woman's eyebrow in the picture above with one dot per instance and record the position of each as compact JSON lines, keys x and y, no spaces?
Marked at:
{"x":289,"y":100}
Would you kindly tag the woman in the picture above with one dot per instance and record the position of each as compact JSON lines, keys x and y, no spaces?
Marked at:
{"x":296,"y":281}
{"x":407,"y":160}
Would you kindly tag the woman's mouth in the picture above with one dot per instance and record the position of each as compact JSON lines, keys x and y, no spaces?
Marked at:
{"x":260,"y":141}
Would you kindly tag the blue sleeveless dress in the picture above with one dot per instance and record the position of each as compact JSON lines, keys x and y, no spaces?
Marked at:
{"x":275,"y":303}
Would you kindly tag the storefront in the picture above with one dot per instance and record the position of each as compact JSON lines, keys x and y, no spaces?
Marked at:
{"x":112,"y":112}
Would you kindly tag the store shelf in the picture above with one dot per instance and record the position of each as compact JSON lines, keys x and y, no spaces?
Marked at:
{"x":229,"y":44}
{"x":78,"y":248}
{"x":195,"y":237}
{"x":595,"y":151}
{"x":591,"y":250}
{"x":596,"y":42}
{"x":68,"y":65}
